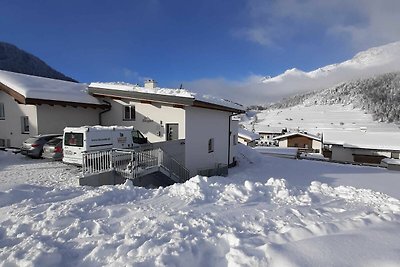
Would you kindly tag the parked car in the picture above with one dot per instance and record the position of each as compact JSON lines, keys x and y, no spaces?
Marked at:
{"x":53,"y":149}
{"x":33,"y":146}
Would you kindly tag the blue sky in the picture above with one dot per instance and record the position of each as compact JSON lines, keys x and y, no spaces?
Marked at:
{"x":180,"y":41}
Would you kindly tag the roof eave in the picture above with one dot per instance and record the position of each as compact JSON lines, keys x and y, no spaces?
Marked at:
{"x":36,"y":101}
{"x":208,"y":105}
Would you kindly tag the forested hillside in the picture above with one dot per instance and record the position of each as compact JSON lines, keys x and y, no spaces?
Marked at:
{"x":379,"y":95}
{"x":16,"y":60}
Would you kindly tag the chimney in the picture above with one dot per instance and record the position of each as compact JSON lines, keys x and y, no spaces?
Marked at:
{"x":151,"y":84}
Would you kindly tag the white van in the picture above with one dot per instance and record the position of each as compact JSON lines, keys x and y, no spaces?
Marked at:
{"x":95,"y":138}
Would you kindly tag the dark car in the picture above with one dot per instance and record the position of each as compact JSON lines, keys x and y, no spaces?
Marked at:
{"x":53,"y":149}
{"x":33,"y":146}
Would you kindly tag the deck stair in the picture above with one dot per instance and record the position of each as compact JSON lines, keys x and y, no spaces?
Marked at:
{"x":133,"y":164}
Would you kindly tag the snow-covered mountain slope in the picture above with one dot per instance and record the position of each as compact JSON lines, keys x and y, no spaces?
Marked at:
{"x":378,"y":96}
{"x":317,"y":119}
{"x":374,"y":61}
{"x":16,"y":60}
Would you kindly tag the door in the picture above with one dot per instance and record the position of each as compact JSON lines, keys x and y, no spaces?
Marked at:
{"x":172,"y":131}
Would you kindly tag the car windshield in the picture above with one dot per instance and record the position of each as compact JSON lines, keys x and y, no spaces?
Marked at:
{"x":73,"y":139}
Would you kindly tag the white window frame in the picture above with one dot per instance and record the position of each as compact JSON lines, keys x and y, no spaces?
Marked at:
{"x":132,"y":113}
{"x":2,"y":113}
{"x":24,"y":124}
{"x":210,"y":145}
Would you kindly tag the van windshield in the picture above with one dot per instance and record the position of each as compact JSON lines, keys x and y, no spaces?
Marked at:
{"x":73,"y":139}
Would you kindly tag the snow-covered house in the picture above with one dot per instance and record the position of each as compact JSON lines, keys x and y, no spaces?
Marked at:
{"x":301,"y":140}
{"x":247,"y":138}
{"x":197,"y":131}
{"x":31,"y":105}
{"x":267,"y":134}
{"x":360,"y":146}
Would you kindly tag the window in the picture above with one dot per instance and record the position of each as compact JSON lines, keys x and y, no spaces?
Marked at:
{"x":2,"y":115}
{"x":210,"y":145}
{"x":129,"y":113}
{"x":24,"y":124}
{"x":73,"y":139}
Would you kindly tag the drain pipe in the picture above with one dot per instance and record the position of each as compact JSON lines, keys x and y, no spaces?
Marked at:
{"x":229,"y":138}
{"x":104,"y":111}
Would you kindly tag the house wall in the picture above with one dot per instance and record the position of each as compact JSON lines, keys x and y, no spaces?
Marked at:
{"x":201,"y":125}
{"x":344,"y":154}
{"x":151,"y":119}
{"x":317,"y":145}
{"x":175,"y":149}
{"x":10,"y":127}
{"x":299,"y":141}
{"x":234,"y":142}
{"x":339,"y":153}
{"x":267,"y":138}
{"x":53,"y":119}
{"x":283,"y":143}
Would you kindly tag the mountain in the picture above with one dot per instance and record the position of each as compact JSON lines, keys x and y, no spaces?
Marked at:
{"x":374,"y":61}
{"x":378,"y":95}
{"x":16,"y":60}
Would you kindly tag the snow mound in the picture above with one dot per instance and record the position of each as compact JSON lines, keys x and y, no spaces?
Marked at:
{"x":241,"y":220}
{"x":205,"y":221}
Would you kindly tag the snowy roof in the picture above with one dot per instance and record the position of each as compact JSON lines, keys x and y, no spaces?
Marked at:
{"x":391,"y":161}
{"x":365,"y":140}
{"x":248,"y":135}
{"x":34,"y":87}
{"x":167,"y":95}
{"x":314,"y":137}
{"x":136,"y":88}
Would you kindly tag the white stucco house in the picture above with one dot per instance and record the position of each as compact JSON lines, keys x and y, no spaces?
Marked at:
{"x":31,"y":105}
{"x":247,"y":137}
{"x":199,"y":132}
{"x":267,"y":134}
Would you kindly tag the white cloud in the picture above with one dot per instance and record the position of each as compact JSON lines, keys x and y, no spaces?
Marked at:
{"x":247,"y":91}
{"x":362,"y":23}
{"x":253,"y":90}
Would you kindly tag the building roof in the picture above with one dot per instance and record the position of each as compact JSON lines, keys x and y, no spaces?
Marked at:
{"x":390,"y":161}
{"x":248,"y":135}
{"x":28,"y":89}
{"x":287,"y":135}
{"x":266,"y":129}
{"x":178,"y":97}
{"x":363,"y":140}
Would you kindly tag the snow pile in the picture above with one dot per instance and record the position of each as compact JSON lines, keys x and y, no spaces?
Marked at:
{"x":166,"y":91}
{"x":136,"y":88}
{"x":241,"y":220}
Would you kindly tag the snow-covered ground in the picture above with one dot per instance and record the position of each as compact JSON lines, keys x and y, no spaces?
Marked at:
{"x":309,"y":214}
{"x":319,"y":118}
